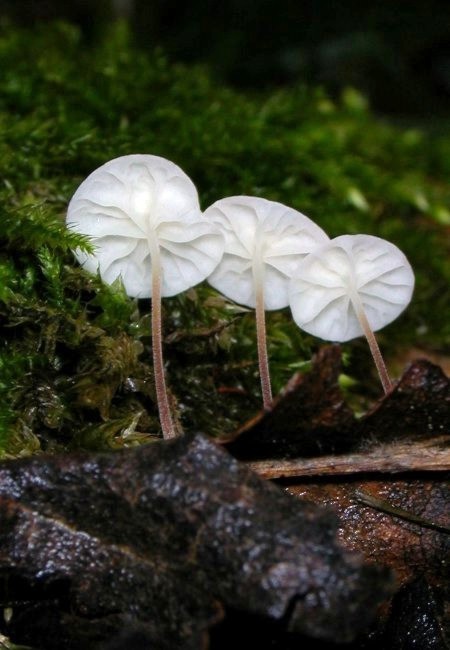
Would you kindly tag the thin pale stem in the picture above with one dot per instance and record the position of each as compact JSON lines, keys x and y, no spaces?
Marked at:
{"x":261,"y":338}
{"x":165,"y":416}
{"x":373,"y":345}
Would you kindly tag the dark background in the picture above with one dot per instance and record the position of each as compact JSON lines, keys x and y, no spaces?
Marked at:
{"x":396,"y":51}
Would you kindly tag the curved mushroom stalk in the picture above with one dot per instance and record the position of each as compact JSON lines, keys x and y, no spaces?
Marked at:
{"x":354,"y":285}
{"x":264,"y":243}
{"x":143,"y":216}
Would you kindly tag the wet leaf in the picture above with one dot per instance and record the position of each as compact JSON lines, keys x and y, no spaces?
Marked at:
{"x":311,"y":417}
{"x":419,"y":406}
{"x":409,"y":546}
{"x":323,"y":453}
{"x":405,"y":524}
{"x":155,"y":541}
{"x":417,"y":619}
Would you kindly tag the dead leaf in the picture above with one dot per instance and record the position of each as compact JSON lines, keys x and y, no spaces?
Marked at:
{"x":418,"y":407}
{"x":322,"y":452}
{"x":311,"y":418}
{"x":406,"y":527}
{"x":154,"y":541}
{"x":409,"y":548}
{"x":417,"y":619}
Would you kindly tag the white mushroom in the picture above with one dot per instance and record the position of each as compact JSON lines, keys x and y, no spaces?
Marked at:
{"x":143,"y":216}
{"x":353,"y":285}
{"x":264,"y":243}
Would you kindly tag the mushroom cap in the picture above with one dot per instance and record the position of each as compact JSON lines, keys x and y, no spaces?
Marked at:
{"x":254,"y":227}
{"x":135,"y":205}
{"x":350,"y":270}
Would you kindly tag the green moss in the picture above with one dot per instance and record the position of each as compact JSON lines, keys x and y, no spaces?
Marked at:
{"x":75,"y":355}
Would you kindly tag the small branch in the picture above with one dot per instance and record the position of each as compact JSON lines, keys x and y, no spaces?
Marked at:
{"x":386,"y":507}
{"x":428,"y":456}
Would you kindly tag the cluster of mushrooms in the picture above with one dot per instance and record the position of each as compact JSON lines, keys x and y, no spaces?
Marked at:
{"x":143,"y":216}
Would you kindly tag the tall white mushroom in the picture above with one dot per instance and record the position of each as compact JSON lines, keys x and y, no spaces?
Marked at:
{"x":353,"y":285}
{"x":143,"y":216}
{"x":264,"y":243}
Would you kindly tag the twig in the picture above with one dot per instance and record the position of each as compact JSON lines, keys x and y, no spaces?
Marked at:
{"x":385,"y":506}
{"x":432,"y":455}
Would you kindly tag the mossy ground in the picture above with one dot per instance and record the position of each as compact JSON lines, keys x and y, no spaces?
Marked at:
{"x":75,"y":363}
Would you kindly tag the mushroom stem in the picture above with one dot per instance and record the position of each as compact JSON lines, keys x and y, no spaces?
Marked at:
{"x":165,"y":417}
{"x":262,"y":349}
{"x":373,"y":344}
{"x":261,"y":333}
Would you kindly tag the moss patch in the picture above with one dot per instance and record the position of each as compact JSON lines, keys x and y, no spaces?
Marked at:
{"x":75,"y":360}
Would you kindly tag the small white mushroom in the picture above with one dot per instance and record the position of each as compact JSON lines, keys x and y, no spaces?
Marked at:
{"x":264,"y":243}
{"x":353,"y":285}
{"x":143,"y":216}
